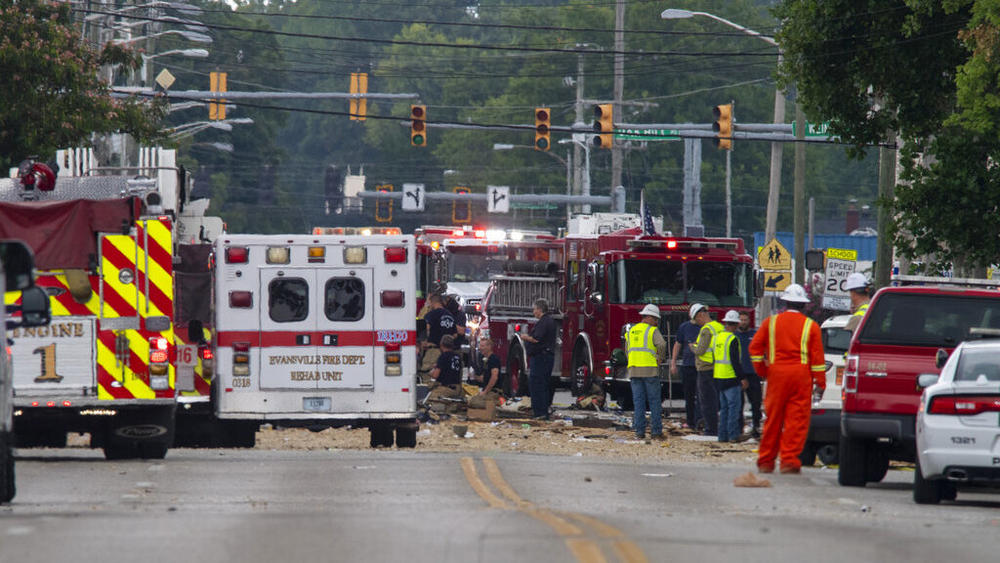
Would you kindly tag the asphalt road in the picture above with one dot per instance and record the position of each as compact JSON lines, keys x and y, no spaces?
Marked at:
{"x":266,"y":506}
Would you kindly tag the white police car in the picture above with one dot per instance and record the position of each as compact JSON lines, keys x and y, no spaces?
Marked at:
{"x":824,"y":423}
{"x":958,"y":423}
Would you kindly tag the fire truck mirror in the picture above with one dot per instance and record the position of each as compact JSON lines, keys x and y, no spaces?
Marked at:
{"x":18,"y":264}
{"x":35,"y":307}
{"x":195,"y":332}
{"x":597,"y":298}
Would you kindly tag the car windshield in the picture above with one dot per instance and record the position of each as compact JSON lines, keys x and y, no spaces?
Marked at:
{"x":724,"y":284}
{"x":910,"y":319}
{"x":979,"y":364}
{"x":466,"y":267}
{"x":836,"y":340}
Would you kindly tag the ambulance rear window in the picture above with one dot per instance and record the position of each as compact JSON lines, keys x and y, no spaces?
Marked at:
{"x":345,"y":299}
{"x":288,"y":300}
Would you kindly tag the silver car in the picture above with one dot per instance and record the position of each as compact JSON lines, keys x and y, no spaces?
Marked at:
{"x":958,"y":434}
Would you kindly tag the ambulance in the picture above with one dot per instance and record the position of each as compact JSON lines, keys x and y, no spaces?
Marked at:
{"x":317,"y":331}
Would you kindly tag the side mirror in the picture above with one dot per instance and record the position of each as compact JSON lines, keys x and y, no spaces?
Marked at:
{"x":18,"y":265}
{"x":758,"y":284}
{"x":597,"y":298}
{"x":925,"y":380}
{"x":35,"y":308}
{"x":195,"y":332}
{"x":941,"y":358}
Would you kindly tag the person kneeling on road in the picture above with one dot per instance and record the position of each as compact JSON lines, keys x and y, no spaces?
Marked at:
{"x":447,"y":373}
{"x":729,"y":378}
{"x":646,"y":351}
{"x":488,"y":376}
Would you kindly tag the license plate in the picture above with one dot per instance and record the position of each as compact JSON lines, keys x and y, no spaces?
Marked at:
{"x":316,"y":403}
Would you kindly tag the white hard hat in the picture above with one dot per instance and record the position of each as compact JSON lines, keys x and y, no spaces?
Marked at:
{"x":731,"y":317}
{"x":856,"y":281}
{"x":695,"y":309}
{"x":794,"y":293}
{"x":650,"y":311}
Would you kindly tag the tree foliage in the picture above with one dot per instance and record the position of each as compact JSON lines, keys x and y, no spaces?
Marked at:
{"x":52,"y":92}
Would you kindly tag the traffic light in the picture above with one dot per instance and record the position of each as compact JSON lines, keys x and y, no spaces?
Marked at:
{"x":333,"y":190}
{"x":603,"y":125}
{"x":217,"y":83}
{"x":418,"y":126}
{"x":359,"y":106}
{"x":461,"y":211}
{"x":542,"y":133}
{"x":723,"y":127}
{"x":383,"y":206}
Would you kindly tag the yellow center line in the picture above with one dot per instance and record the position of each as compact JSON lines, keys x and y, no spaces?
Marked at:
{"x":469,"y":468}
{"x":626,"y":550}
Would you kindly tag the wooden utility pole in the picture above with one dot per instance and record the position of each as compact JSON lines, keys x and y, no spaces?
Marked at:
{"x":886,"y":189}
{"x":619,"y":89}
{"x":798,"y":213}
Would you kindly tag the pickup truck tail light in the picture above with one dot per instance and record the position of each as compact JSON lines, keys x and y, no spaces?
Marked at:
{"x":851,"y":375}
{"x":963,"y":406}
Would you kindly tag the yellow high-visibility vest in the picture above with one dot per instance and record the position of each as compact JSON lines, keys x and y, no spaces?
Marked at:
{"x":722,"y":368}
{"x":715,"y":327}
{"x":641,"y":351}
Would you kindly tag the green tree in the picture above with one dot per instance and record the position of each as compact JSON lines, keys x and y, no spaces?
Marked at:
{"x":52,"y":93}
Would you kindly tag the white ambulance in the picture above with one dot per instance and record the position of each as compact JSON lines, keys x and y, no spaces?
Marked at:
{"x":317,"y":330}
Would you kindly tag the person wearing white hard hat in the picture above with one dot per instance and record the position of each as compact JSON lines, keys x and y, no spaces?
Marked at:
{"x":686,"y":335}
{"x":787,"y":352}
{"x":858,"y":286}
{"x":708,"y":397}
{"x":728,"y":377}
{"x":646,"y":351}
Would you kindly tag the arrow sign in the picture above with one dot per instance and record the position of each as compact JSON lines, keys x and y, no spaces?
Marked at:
{"x":777,"y":281}
{"x":413,"y":197}
{"x":498,"y":199}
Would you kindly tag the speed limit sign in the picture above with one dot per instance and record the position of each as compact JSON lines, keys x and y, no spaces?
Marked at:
{"x":840,"y":263}
{"x":187,"y":355}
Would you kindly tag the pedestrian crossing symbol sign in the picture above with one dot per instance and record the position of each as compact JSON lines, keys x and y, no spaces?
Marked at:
{"x":774,"y":256}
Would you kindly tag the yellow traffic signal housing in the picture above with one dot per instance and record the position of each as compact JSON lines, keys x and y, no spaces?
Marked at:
{"x":603,"y":125}
{"x":723,"y":126}
{"x":542,"y":133}
{"x":383,"y":206}
{"x":217,"y":83}
{"x":461,"y":211}
{"x":418,"y":126}
{"x":359,"y":106}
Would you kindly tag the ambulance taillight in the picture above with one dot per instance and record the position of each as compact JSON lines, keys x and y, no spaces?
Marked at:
{"x":241,"y":299}
{"x":237,"y":255}
{"x":393,"y":359}
{"x":205,"y":353}
{"x":317,"y":254}
{"x":159,"y":366}
{"x":395,"y":255}
{"x":241,"y":358}
{"x":392,"y":298}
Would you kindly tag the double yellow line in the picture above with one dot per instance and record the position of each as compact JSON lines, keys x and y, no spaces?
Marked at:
{"x":566,"y":524}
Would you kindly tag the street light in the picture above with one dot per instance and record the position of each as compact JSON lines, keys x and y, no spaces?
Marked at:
{"x":189,"y":35}
{"x":188,"y":129}
{"x":674,"y":14}
{"x":182,"y":7}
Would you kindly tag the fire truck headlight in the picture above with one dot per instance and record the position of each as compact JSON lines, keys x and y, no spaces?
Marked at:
{"x":278,"y":255}
{"x":159,"y":382}
{"x":394,"y":370}
{"x":355,"y":255}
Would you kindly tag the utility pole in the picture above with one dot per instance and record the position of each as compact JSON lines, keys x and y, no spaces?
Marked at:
{"x":798,"y":213}
{"x":619,"y":89}
{"x":577,"y":154}
{"x":886,"y":189}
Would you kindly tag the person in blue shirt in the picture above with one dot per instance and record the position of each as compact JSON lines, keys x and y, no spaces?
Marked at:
{"x":683,"y":356}
{"x":745,"y":333}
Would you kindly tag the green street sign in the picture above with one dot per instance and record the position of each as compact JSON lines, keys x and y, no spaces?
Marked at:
{"x":814,"y":129}
{"x":646,"y":134}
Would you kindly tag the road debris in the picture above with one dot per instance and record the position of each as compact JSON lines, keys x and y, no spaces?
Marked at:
{"x":748,"y":479}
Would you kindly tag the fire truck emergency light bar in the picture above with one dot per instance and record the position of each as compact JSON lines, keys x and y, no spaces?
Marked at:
{"x":672,"y":244}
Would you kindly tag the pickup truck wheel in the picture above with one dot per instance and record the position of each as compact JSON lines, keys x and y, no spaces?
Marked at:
{"x":7,"y":489}
{"x":808,"y":455}
{"x":877,"y":464}
{"x":926,"y":491}
{"x":853,"y":454}
{"x":153,"y":450}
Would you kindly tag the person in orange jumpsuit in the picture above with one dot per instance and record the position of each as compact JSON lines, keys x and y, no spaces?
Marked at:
{"x":787,"y":353}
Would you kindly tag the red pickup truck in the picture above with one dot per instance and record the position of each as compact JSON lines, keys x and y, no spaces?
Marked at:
{"x":897,"y":340}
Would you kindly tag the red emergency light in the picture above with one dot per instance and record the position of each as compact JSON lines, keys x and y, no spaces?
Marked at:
{"x":458,"y":233}
{"x":671,"y":244}
{"x":237,"y":255}
{"x":241,"y":299}
{"x":480,"y":233}
{"x":392,"y":298}
{"x":395,"y":255}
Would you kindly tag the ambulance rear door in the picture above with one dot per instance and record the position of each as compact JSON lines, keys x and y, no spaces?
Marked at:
{"x":316,"y":328}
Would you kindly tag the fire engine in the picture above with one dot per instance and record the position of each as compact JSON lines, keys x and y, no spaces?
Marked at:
{"x":317,"y":331}
{"x":596,"y":286}
{"x":104,"y":242}
{"x":30,"y":310}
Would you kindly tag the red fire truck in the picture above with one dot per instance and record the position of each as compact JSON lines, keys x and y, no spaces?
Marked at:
{"x":596,"y":285}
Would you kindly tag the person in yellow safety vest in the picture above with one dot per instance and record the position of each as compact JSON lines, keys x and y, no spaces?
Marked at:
{"x":859,"y":287}
{"x":647,"y":349}
{"x":729,"y":378}
{"x":708,"y":398}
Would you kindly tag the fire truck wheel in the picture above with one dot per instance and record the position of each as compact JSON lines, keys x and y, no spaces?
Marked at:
{"x":381,"y":435}
{"x":406,"y":435}
{"x":115,"y":450}
{"x":7,"y":489}
{"x":582,"y":376}
{"x":516,"y":382}
{"x":153,"y":450}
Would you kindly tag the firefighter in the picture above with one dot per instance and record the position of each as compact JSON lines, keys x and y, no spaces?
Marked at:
{"x":646,"y":350}
{"x":541,"y":357}
{"x":859,"y":287}
{"x":787,"y":352}
{"x":708,"y":397}
{"x":439,"y":324}
{"x":447,"y":373}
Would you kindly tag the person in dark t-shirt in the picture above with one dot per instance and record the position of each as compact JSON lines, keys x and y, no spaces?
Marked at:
{"x":439,"y":323}
{"x":447,"y":372}
{"x":487,"y":376}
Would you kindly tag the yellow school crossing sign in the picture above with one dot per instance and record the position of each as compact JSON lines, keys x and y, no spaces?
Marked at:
{"x":774,"y":256}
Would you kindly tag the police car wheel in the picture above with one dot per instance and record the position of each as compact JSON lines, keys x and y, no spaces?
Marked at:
{"x":926,"y":491}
